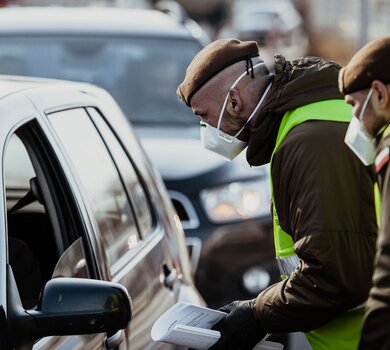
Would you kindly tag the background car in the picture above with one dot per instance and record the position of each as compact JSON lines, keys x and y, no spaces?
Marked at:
{"x":140,"y":57}
{"x":276,"y":25}
{"x":85,"y":224}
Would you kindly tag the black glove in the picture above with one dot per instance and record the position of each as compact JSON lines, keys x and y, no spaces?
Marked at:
{"x":240,"y":330}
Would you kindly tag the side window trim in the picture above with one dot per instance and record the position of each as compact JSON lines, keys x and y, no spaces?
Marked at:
{"x":64,"y":142}
{"x":154,"y":223}
{"x":33,"y":139}
{"x":119,"y":174}
{"x":31,"y":143}
{"x":82,"y":206}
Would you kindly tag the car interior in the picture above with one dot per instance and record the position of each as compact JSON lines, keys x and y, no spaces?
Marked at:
{"x":31,"y":253}
{"x":34,"y":251}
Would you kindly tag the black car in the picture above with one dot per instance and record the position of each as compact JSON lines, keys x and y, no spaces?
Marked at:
{"x":140,"y":57}
{"x":89,"y":238}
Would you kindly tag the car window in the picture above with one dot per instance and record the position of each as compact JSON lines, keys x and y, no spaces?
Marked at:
{"x":142,"y":73}
{"x":100,"y":181}
{"x":136,"y":191}
{"x":23,"y":259}
{"x":35,"y":247}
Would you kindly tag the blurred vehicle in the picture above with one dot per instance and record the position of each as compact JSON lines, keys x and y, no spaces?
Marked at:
{"x":86,"y":223}
{"x":178,"y":12}
{"x":275,"y":24}
{"x":140,"y":57}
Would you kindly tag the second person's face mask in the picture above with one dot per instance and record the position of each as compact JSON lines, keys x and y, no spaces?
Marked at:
{"x":220,"y":142}
{"x":357,"y":138}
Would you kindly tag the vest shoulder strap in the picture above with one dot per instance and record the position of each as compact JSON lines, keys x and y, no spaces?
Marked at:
{"x":328,"y":110}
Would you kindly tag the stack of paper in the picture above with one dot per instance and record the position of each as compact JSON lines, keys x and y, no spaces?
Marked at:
{"x":190,"y":325}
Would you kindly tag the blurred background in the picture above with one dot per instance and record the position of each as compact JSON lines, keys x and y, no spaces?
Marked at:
{"x":140,"y":57}
{"x":138,"y":51}
{"x":332,"y":28}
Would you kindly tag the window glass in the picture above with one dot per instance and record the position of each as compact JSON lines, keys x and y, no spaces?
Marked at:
{"x":17,"y":167}
{"x":72,"y":263}
{"x":134,"y":187}
{"x":135,"y":70}
{"x":99,"y":180}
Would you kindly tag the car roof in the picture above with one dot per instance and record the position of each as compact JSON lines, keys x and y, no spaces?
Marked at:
{"x":13,"y":84}
{"x":89,"y":20}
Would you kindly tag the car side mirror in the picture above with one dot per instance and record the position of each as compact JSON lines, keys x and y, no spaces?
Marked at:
{"x":70,"y":306}
{"x":67,"y":306}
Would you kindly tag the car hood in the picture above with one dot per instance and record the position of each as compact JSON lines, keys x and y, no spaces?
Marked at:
{"x":178,"y":153}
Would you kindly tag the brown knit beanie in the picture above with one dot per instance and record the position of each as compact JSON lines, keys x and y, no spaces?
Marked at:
{"x":212,"y":59}
{"x":371,"y":62}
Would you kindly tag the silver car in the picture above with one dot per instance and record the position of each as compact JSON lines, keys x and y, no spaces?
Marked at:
{"x":89,"y":239}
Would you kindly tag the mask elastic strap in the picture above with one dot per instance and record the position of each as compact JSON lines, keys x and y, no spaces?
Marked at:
{"x":232,"y":87}
{"x":361,"y":114}
{"x":255,"y":110}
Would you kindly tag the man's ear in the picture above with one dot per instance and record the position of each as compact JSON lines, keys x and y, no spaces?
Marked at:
{"x":381,"y":96}
{"x":234,"y":103}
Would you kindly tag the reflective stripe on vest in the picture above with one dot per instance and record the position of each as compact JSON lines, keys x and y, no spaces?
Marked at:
{"x":329,"y":110}
{"x":342,"y":333}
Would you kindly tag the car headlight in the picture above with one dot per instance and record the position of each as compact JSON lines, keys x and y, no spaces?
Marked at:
{"x":256,"y":279}
{"x":237,"y":201}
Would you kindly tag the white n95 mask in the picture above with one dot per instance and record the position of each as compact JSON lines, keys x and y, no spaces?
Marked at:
{"x":357,"y":138}
{"x":220,"y":142}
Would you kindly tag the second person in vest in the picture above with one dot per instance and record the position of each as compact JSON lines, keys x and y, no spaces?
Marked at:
{"x":295,"y":119}
{"x":365,"y":81}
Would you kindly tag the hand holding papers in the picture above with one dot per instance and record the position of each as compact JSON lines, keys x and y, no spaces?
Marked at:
{"x":190,"y":325}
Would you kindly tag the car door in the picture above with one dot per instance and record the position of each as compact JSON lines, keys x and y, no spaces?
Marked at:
{"x":45,"y":232}
{"x":125,"y":221}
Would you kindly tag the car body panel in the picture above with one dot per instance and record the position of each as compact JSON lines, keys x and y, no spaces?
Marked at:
{"x":140,"y":270}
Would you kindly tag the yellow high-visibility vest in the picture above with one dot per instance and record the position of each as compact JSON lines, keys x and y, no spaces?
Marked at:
{"x":343,"y":332}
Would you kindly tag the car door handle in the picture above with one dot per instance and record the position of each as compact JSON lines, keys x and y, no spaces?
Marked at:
{"x":170,"y":276}
{"x":115,"y":340}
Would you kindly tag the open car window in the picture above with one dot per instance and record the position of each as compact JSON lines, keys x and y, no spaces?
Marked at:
{"x":38,"y":238}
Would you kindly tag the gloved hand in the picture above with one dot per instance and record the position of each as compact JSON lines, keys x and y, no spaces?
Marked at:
{"x":240,"y":330}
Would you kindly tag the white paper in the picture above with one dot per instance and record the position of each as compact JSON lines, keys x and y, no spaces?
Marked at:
{"x":190,"y":325}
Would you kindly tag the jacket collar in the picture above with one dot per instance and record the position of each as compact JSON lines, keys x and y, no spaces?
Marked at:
{"x":296,"y":83}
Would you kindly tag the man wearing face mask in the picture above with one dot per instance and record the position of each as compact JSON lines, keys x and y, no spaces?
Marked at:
{"x":365,"y":81}
{"x":295,"y":119}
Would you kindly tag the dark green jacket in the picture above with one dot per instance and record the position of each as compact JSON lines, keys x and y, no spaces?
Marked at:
{"x":294,"y":84}
{"x":324,"y":199}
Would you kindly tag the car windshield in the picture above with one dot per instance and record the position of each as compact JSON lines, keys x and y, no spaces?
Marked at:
{"x":141,"y":73}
